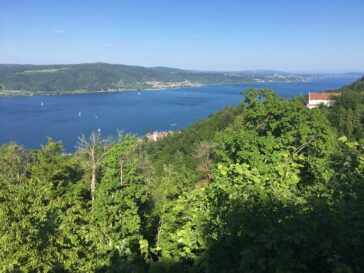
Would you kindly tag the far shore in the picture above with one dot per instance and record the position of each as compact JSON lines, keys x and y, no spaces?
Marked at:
{"x":18,"y":93}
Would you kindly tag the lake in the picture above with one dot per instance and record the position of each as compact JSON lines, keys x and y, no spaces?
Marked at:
{"x":29,"y":120}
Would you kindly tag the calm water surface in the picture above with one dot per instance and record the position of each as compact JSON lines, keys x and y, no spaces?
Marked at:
{"x":29,"y":120}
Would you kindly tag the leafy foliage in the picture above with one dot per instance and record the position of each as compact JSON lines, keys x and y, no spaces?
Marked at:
{"x":267,"y":186}
{"x":347,"y":115}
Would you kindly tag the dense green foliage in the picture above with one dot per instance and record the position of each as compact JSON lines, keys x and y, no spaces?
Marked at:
{"x":60,"y":79}
{"x":267,"y":186}
{"x":347,"y":115}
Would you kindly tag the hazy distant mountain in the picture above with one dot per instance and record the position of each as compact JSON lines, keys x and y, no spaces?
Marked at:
{"x":168,"y":69}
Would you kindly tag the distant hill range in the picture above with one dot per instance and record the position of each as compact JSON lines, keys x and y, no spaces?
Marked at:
{"x":94,"y":77}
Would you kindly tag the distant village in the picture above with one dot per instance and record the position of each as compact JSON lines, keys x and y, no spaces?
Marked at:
{"x":186,"y":83}
{"x":158,"y":135}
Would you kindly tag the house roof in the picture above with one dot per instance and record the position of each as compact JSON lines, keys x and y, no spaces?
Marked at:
{"x":323,"y":96}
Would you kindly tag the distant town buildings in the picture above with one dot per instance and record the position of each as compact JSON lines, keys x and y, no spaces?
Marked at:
{"x":315,"y":99}
{"x":186,"y":83}
{"x":156,"y":135}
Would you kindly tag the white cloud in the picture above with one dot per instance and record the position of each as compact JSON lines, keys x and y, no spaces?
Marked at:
{"x":58,"y":31}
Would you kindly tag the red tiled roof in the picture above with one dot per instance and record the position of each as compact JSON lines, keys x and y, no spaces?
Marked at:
{"x":323,"y":96}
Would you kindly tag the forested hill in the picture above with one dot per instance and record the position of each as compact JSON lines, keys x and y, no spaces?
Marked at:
{"x":93,"y":77}
{"x":266,"y":186}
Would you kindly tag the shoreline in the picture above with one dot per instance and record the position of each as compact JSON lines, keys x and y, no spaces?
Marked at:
{"x":16,"y":93}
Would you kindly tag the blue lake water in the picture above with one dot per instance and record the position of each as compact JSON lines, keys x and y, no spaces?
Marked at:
{"x":29,"y":120}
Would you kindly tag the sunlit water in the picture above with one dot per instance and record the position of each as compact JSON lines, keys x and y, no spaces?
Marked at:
{"x":29,"y":120}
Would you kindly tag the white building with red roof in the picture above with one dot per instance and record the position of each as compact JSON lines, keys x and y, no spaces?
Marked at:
{"x":316,"y":99}
{"x":156,"y":135}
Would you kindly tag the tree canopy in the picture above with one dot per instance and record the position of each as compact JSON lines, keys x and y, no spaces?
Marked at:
{"x":266,"y":186}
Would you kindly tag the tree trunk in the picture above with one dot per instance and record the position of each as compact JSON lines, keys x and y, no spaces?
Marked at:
{"x":93,"y":181}
{"x":121,"y":172}
{"x":159,"y":233}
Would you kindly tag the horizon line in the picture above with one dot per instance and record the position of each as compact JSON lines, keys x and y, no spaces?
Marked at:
{"x":352,"y":71}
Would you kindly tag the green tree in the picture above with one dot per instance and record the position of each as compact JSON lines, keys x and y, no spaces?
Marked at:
{"x":95,"y":149}
{"x":29,"y":211}
{"x":119,"y":207}
{"x":15,"y":163}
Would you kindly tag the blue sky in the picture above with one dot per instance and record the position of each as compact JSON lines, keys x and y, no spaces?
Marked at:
{"x":287,"y":35}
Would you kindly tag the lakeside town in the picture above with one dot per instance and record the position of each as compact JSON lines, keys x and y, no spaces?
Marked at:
{"x":174,"y":84}
{"x":158,"y":135}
